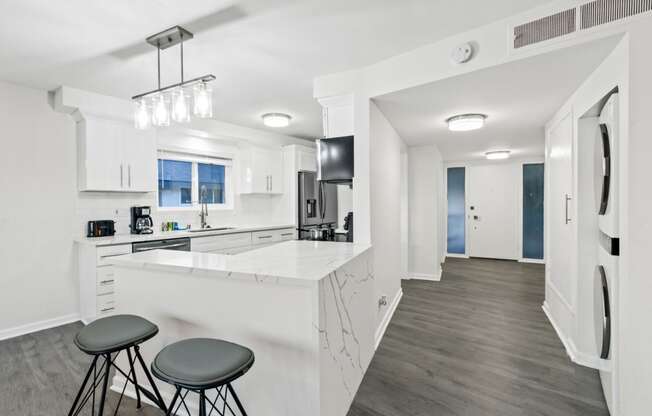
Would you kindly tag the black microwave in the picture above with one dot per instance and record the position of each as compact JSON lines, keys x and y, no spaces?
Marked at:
{"x":335,"y":160}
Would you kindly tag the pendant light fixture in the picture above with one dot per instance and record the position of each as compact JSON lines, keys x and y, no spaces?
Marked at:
{"x":173,"y":102}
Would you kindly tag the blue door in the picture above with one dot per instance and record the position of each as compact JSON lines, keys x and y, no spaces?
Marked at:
{"x":456,"y":211}
{"x":533,"y":211}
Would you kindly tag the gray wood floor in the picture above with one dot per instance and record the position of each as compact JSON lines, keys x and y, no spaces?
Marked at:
{"x":476,"y":343}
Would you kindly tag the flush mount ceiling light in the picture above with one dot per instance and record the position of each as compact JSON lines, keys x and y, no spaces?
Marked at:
{"x":276,"y":120}
{"x":497,"y":154}
{"x":173,"y":102}
{"x":466,"y":122}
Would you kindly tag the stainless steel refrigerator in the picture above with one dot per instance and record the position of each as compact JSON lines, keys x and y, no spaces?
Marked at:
{"x":317,"y":208}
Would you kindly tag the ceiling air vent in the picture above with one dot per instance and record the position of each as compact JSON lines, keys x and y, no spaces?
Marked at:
{"x":600,"y":12}
{"x":546,"y":28}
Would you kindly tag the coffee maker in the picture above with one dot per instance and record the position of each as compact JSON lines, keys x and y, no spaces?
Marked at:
{"x":141,"y":220}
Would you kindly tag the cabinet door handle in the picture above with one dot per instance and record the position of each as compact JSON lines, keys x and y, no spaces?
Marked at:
{"x":567,"y":198}
{"x":129,"y":175}
{"x":271,"y":183}
{"x":121,"y":177}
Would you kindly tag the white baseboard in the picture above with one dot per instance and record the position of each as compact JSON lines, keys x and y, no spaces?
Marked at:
{"x":574,"y":354}
{"x":37,"y":326}
{"x":535,"y":261}
{"x":424,"y":276}
{"x":380,"y":332}
{"x":560,"y":335}
{"x":460,"y":256}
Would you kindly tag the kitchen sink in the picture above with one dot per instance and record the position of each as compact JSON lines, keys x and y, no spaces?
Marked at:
{"x":201,"y":230}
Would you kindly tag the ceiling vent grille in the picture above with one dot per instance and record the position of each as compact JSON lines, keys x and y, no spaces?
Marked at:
{"x":600,"y":12}
{"x":546,"y":28}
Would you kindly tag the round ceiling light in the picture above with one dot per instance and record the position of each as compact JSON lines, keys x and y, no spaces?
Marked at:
{"x":466,"y":122}
{"x":497,"y":154}
{"x":276,"y":120}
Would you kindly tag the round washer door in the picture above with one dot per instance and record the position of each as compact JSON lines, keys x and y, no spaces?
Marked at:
{"x":602,"y":168}
{"x":602,"y":313}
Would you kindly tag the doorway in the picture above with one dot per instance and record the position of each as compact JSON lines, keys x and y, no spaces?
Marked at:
{"x":492,"y":211}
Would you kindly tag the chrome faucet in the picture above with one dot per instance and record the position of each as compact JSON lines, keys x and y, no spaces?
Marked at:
{"x":204,"y":208}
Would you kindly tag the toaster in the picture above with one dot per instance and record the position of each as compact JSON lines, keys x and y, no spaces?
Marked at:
{"x":100,"y":228}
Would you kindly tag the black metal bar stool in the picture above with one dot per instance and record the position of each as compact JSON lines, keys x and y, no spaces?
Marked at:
{"x":106,"y":338}
{"x":201,"y":364}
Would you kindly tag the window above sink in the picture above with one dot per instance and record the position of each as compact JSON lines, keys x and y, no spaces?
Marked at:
{"x":185,"y":181}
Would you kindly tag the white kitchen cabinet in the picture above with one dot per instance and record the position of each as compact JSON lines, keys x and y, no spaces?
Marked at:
{"x":261,"y":171}
{"x":268,"y":237}
{"x":307,"y":160}
{"x":96,"y":279}
{"x":218,"y":243}
{"x":115,"y":157}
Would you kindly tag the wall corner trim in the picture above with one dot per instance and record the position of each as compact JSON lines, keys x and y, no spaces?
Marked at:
{"x":380,"y":331}
{"x":38,"y":326}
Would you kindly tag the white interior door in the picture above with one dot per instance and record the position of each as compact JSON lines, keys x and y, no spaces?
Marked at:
{"x":492,"y":211}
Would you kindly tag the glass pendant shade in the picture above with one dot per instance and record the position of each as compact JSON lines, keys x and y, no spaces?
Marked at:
{"x":161,"y":111}
{"x":180,"y":106}
{"x":203,"y":100}
{"x":142,"y":119}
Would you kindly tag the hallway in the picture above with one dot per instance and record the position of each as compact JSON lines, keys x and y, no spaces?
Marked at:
{"x":476,"y":343}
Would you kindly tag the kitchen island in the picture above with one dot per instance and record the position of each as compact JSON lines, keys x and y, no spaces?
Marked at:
{"x":305,"y":308}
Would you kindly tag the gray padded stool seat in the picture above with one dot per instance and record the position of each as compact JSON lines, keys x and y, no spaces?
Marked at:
{"x":201,"y":364}
{"x":106,"y":338}
{"x":114,"y":333}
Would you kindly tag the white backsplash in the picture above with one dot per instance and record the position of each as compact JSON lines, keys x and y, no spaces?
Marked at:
{"x":247,"y":210}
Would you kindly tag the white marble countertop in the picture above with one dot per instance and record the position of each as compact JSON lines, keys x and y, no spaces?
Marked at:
{"x":304,"y":260}
{"x":164,"y":235}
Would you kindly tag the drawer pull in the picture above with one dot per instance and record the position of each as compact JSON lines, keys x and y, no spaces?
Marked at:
{"x":287,"y":234}
{"x":106,"y":282}
{"x":264,"y":236}
{"x":107,"y":309}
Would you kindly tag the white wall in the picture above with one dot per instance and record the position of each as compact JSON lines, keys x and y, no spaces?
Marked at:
{"x":385,"y":181}
{"x":38,"y":182}
{"x":425,"y":184}
{"x":42,"y":211}
{"x":636,"y":245}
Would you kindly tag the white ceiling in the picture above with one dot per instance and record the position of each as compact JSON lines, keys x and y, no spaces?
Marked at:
{"x":265,"y":54}
{"x":518,"y":98}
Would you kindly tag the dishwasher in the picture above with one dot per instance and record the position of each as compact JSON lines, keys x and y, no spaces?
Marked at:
{"x":178,"y":244}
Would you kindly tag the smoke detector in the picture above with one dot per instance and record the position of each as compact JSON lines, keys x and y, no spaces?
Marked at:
{"x":462,"y":53}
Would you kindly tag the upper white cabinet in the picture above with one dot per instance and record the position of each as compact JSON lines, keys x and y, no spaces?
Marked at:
{"x":307,"y":160}
{"x":338,"y":116}
{"x":115,"y":157}
{"x":261,"y":171}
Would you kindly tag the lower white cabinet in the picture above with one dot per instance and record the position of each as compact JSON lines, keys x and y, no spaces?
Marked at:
{"x":215,"y":243}
{"x":96,"y":279}
{"x":97,"y":275}
{"x":240,"y":242}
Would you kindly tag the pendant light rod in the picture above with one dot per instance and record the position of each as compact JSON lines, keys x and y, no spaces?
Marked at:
{"x":181,"y":59}
{"x":158,"y":54}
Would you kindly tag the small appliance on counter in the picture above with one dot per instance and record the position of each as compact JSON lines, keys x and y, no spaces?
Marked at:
{"x":100,"y":228}
{"x":348,"y":226}
{"x":141,"y":220}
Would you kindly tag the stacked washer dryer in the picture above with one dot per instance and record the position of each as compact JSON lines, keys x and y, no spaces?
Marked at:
{"x":606,"y":272}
